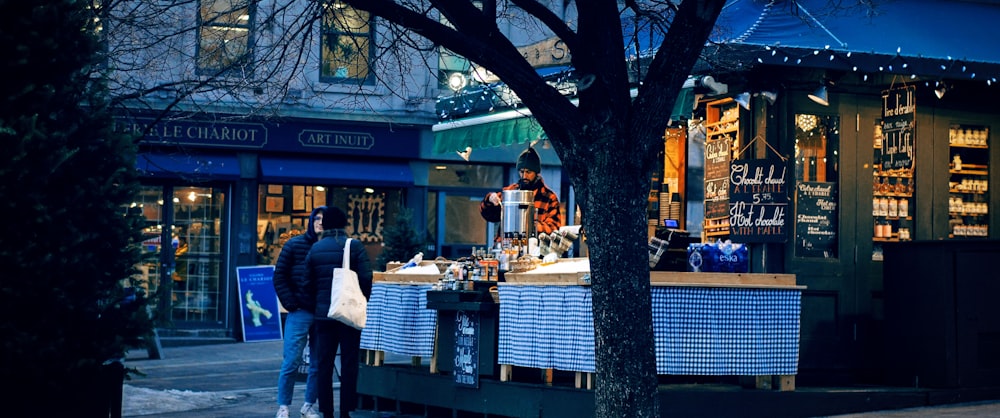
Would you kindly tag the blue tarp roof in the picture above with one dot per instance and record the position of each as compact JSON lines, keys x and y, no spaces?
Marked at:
{"x":962,"y":30}
{"x":920,"y":37}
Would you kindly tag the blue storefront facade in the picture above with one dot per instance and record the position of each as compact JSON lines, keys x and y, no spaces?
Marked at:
{"x":222,"y":192}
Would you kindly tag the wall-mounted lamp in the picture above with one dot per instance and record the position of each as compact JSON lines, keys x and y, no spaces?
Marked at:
{"x":821,"y":96}
{"x":743,"y":99}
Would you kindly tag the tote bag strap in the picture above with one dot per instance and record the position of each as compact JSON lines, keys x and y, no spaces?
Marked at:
{"x":347,"y":255}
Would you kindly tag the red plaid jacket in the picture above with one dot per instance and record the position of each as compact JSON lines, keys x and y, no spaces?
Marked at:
{"x":549,"y":217}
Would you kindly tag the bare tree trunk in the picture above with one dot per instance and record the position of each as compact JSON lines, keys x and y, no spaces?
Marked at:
{"x":616,"y":230}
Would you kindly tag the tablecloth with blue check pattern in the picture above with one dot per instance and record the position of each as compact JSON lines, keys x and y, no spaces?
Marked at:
{"x":698,"y":330}
{"x":398,"y":320}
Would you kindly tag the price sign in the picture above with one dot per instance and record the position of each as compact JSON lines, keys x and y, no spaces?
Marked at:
{"x":816,"y":220}
{"x":758,"y":200}
{"x":717,"y":178}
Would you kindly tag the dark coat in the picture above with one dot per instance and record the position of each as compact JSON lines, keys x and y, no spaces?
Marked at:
{"x":327,"y":254}
{"x":290,"y":270}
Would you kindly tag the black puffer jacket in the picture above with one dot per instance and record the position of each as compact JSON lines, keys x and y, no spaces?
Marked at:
{"x":290,"y":269}
{"x":328,"y":254}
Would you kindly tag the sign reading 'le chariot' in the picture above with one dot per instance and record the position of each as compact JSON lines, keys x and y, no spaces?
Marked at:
{"x":898,"y":109}
{"x":758,"y":200}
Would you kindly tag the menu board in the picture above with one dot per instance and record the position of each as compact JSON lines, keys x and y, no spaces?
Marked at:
{"x":758,"y":200}
{"x":466,"y":349}
{"x":717,"y":178}
{"x":816,"y":219}
{"x":898,"y":109}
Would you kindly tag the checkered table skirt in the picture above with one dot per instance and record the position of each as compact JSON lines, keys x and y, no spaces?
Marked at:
{"x":399,"y":321}
{"x":698,"y":330}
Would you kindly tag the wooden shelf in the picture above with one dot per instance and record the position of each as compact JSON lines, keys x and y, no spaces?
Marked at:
{"x":969,"y":172}
{"x":953,"y":145}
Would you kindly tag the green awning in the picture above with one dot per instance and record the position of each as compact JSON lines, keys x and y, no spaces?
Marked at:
{"x":515,"y":127}
{"x":480,"y":132}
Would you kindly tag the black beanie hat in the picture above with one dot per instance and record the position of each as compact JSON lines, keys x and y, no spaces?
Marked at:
{"x":334,"y":218}
{"x":529,"y":160}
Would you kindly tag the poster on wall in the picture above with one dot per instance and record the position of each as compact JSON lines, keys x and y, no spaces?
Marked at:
{"x":717,"y":178}
{"x":366,"y":217}
{"x":259,"y":313}
{"x":899,"y":107}
{"x":758,"y":200}
{"x":816,"y":219}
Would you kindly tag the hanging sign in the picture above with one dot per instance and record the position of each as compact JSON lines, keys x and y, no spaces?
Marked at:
{"x":816,"y":220}
{"x":899,"y":107}
{"x":758,"y":200}
{"x":717,"y":178}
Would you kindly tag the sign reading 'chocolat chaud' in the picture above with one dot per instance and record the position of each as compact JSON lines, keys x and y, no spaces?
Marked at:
{"x":758,"y":200}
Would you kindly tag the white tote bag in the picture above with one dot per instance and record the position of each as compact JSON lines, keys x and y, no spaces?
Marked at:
{"x":347,"y":303}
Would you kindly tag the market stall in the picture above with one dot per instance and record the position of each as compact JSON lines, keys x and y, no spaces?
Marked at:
{"x":703,"y":323}
{"x":734,"y":324}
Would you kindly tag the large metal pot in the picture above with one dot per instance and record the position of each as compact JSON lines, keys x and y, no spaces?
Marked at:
{"x":518,"y":216}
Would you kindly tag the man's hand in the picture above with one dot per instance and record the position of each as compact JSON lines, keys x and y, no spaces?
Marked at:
{"x":495,"y":198}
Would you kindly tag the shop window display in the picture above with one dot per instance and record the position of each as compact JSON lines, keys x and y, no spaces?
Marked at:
{"x":285,"y":209}
{"x":193,"y":264}
{"x":968,"y":185}
{"x":197,"y":244}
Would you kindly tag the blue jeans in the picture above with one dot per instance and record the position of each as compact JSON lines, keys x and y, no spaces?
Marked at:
{"x":298,"y":331}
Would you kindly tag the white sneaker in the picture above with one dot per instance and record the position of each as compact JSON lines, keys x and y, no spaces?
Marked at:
{"x":282,"y":412}
{"x":309,"y":411}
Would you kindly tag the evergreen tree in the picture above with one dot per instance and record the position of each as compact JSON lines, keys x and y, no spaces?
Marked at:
{"x":401,"y":240}
{"x":69,"y":248}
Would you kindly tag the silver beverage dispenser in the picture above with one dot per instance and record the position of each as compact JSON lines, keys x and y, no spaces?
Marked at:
{"x":518,"y":216}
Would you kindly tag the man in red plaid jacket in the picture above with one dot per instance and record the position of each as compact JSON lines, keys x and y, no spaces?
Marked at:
{"x":549,"y":218}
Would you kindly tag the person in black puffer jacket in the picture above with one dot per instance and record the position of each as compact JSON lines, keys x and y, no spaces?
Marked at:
{"x":293,"y":291}
{"x":325,"y":255}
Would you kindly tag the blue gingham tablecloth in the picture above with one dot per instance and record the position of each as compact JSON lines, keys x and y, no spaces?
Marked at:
{"x":698,"y":330}
{"x":726,"y":331}
{"x":546,"y":327}
{"x":398,"y":320}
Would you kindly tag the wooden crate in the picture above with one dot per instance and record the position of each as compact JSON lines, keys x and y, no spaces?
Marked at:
{"x":395,"y":275}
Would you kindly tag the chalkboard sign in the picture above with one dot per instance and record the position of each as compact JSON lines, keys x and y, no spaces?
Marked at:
{"x":899,"y":107}
{"x":467,"y":348}
{"x":816,"y":219}
{"x":758,"y":200}
{"x":717,"y":178}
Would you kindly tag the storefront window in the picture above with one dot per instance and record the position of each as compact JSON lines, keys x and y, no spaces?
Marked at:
{"x":285,"y":210}
{"x":284,"y":213}
{"x":149,"y":202}
{"x":457,"y":190}
{"x":197,"y":242}
{"x":817,"y":164}
{"x":194,"y":258}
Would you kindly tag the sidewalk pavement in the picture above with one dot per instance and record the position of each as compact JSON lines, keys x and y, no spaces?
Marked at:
{"x":238,"y":380}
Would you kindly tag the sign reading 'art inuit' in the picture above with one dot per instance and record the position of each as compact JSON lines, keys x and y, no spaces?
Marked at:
{"x":758,"y":200}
